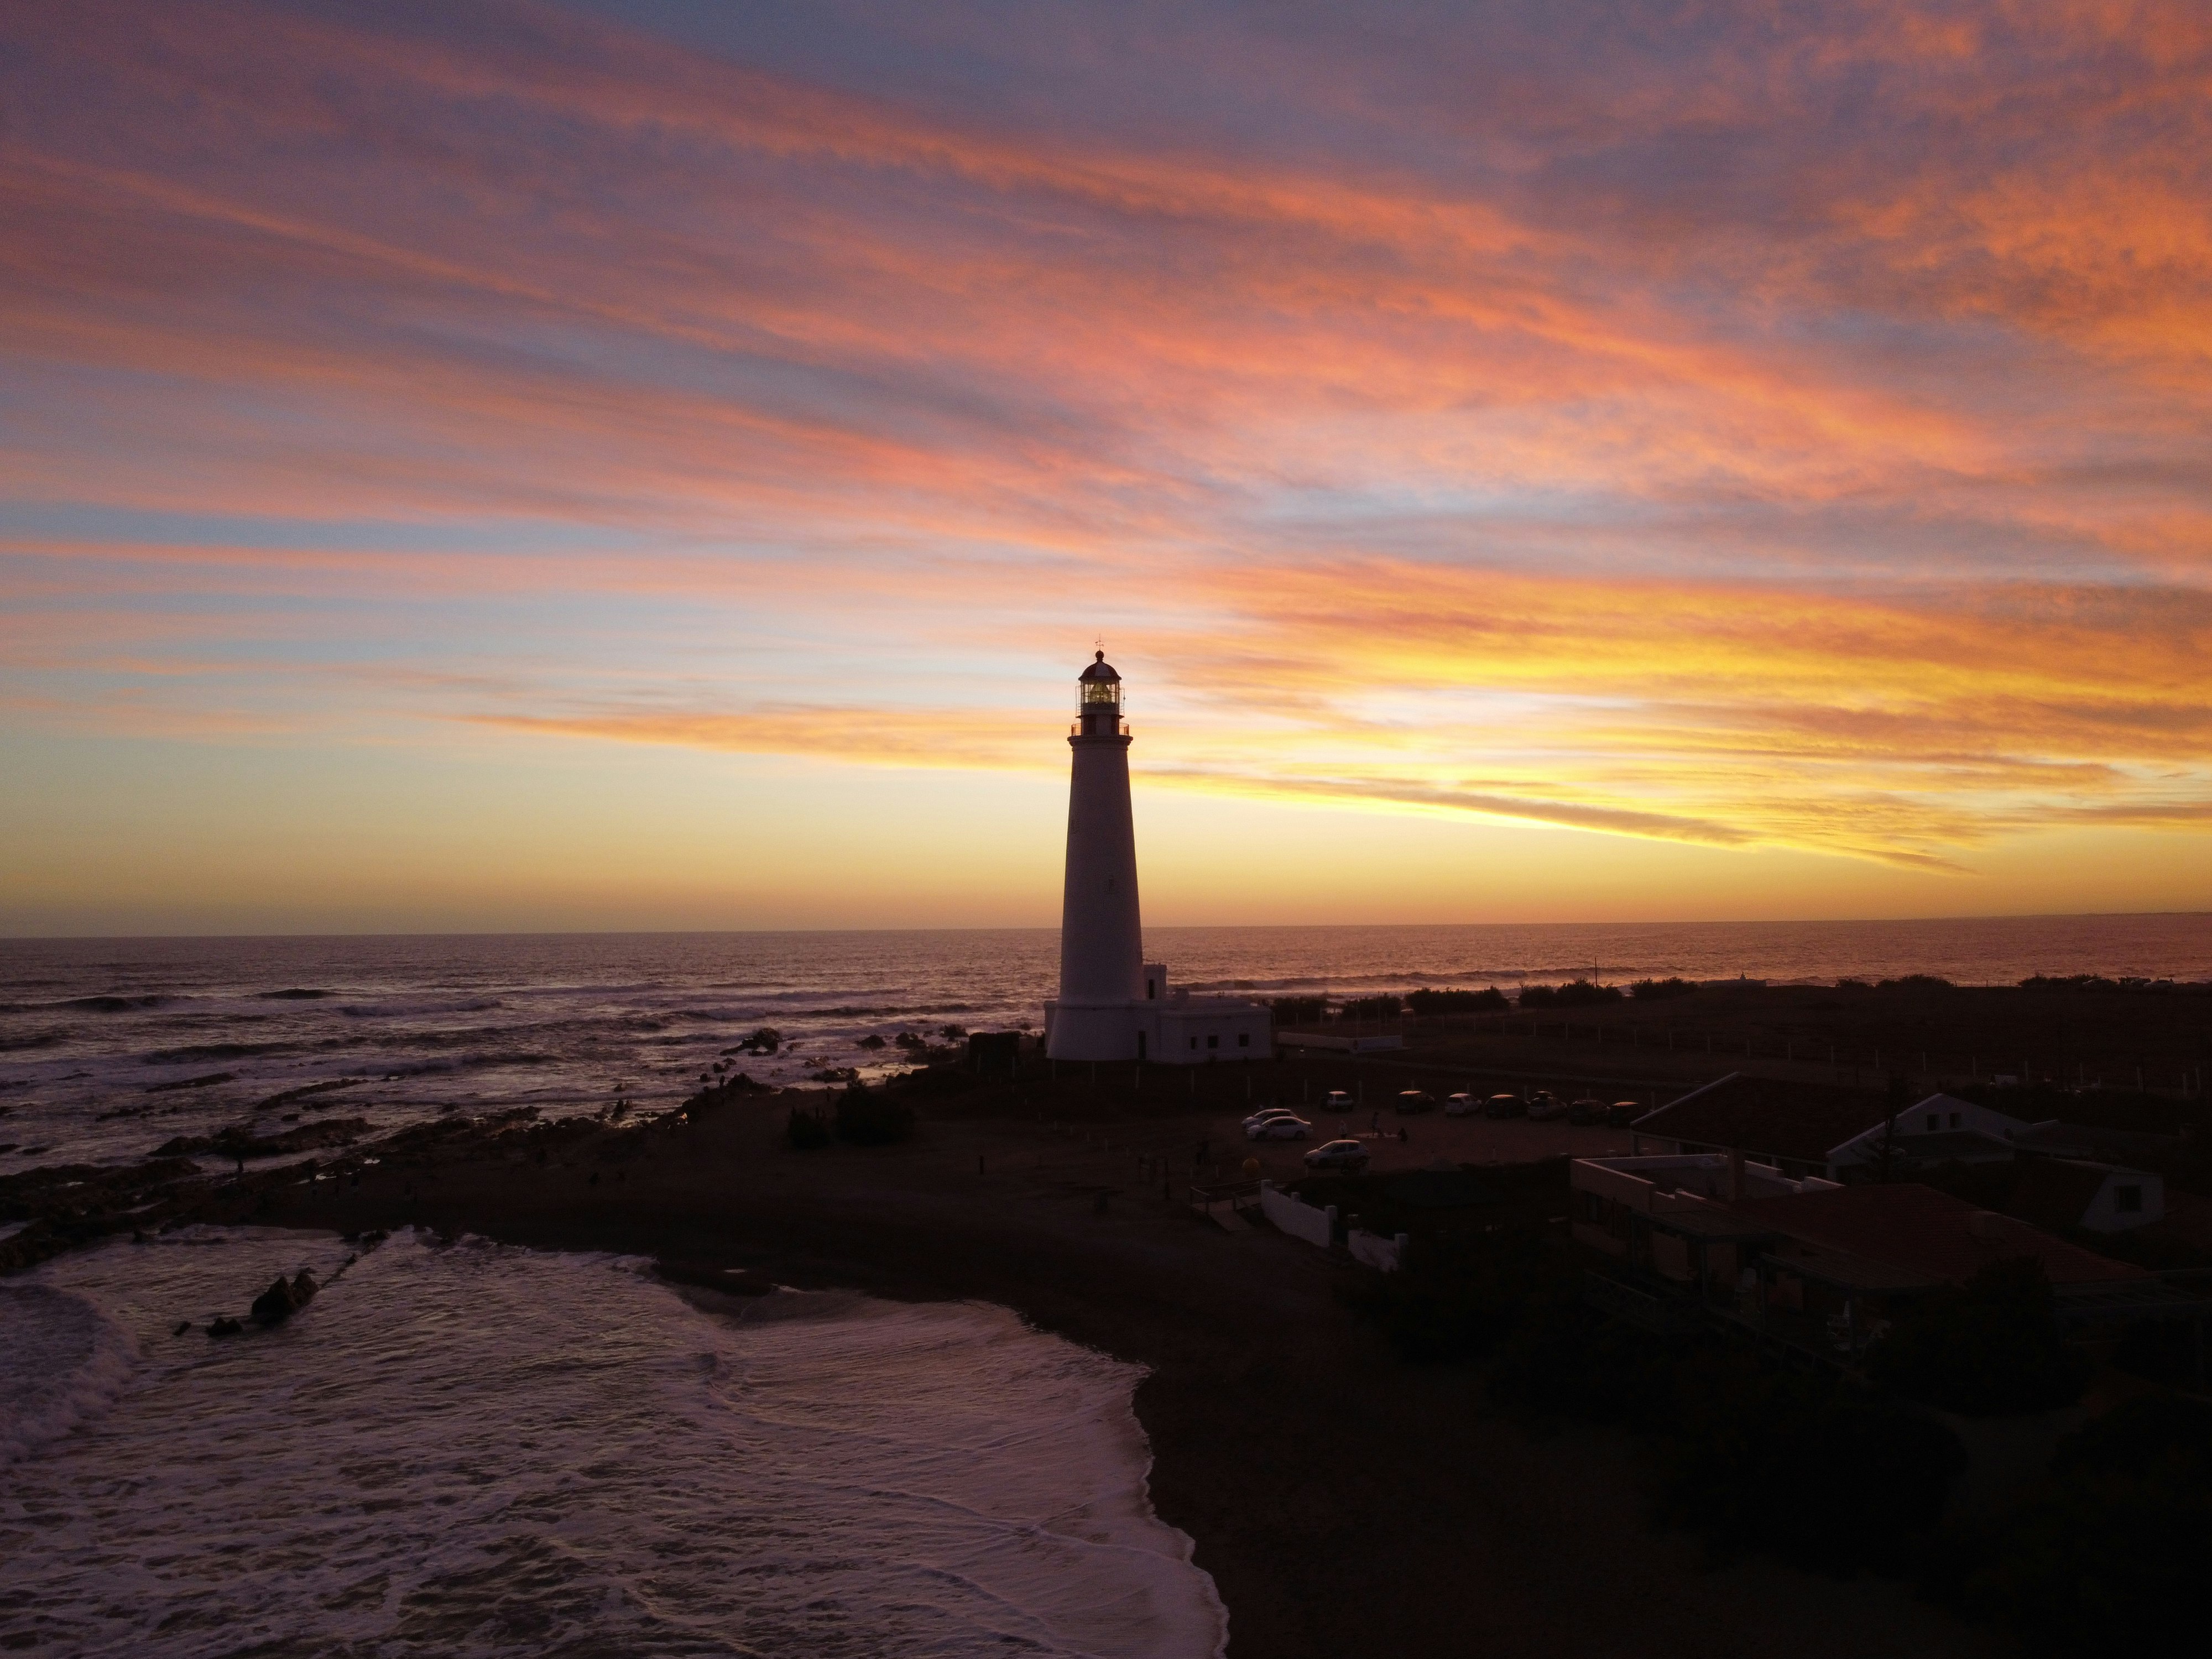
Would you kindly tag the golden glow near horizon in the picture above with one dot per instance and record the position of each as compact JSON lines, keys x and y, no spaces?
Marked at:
{"x":580,"y":465}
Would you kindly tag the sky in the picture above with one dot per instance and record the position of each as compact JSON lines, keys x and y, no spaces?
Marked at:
{"x":663,"y":465}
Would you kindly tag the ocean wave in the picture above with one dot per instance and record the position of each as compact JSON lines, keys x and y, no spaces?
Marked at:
{"x":112,"y":1005}
{"x":420,"y":1010}
{"x":200,"y":1051}
{"x":62,"y":1363}
{"x":945,"y":1479}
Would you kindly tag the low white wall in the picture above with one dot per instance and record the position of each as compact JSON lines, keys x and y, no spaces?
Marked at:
{"x":1299,"y":1220}
{"x":1376,"y":1251}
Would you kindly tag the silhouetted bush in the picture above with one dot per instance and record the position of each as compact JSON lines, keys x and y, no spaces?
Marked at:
{"x":1566,"y":1359}
{"x":1916,"y":983}
{"x":870,"y":1117}
{"x":1990,"y":1348}
{"x":1457,"y":1298}
{"x":1809,"y":1466}
{"x":2108,"y":1556}
{"x":1455,"y":1002}
{"x":807,"y":1130}
{"x":1575,"y":994}
{"x":1290,"y":1010}
{"x":1658,"y":990}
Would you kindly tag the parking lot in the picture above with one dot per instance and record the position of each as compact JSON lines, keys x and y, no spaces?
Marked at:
{"x":1428,"y":1136}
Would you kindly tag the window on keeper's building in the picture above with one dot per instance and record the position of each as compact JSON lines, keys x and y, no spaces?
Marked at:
{"x":1193,"y":1043}
{"x":1955,"y":1119}
{"x":1935,"y":1122}
{"x":1243,"y":1039}
{"x":1213,"y":1042}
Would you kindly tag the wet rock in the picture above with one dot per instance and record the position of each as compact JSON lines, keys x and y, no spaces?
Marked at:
{"x":284,"y":1297}
{"x":182,"y":1325}
{"x":224,"y":1326}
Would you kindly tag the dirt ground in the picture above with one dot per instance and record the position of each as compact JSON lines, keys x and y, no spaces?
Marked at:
{"x":1345,"y":1503}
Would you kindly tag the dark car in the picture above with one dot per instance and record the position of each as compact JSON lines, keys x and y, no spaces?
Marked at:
{"x":1622,"y":1113}
{"x":1505,"y":1106}
{"x":1586,"y":1112}
{"x":1415,"y":1100}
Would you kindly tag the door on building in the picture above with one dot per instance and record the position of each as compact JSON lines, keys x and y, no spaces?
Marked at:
{"x":1140,"y":1045}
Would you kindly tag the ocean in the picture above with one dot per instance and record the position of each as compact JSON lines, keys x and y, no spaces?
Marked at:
{"x":111,"y":1048}
{"x":464,"y":1449}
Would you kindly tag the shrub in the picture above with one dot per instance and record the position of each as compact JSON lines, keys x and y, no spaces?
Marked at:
{"x":1657,"y":990}
{"x":1916,"y":983}
{"x":1455,"y":1002}
{"x":1294,"y":1009}
{"x":1811,"y":1467}
{"x":1575,"y":994}
{"x":807,"y":1130}
{"x":1457,"y":1298}
{"x":1990,"y":1348}
{"x":2108,"y":1556}
{"x":870,"y":1117}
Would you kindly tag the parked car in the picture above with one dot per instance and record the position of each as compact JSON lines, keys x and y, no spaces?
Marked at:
{"x":1279,"y":1129}
{"x":1622,"y":1113}
{"x":1339,"y":1100}
{"x":1544,"y":1106}
{"x":1267,"y":1112}
{"x":1504,"y":1106}
{"x":1337,"y":1155}
{"x":1461,"y":1104}
{"x":1587,"y":1111}
{"x":1416,"y":1100}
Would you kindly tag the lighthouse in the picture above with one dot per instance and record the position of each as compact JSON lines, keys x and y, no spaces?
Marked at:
{"x":1112,"y":1004}
{"x":1101,"y":954}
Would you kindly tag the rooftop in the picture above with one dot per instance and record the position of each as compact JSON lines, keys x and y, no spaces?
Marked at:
{"x":1916,"y":1229}
{"x":1799,"y":1120}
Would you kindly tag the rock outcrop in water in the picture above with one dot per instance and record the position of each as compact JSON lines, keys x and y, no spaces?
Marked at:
{"x":283,"y":1298}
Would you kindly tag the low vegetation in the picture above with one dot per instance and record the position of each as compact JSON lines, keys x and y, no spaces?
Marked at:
{"x":2108,"y":1556}
{"x":1658,"y":990}
{"x":1575,"y":994}
{"x":1487,"y":1000}
{"x":1988,"y":1349}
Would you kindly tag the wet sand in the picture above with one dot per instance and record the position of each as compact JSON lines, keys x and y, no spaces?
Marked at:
{"x":1345,"y":1503}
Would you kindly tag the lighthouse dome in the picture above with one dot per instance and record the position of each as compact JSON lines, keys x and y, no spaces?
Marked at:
{"x":1100,"y":670}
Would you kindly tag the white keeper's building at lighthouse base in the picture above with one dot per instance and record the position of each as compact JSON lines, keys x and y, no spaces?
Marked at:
{"x":1113,"y":1005}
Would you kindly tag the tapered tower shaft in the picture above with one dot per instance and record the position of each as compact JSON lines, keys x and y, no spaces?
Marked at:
{"x":1101,"y":937}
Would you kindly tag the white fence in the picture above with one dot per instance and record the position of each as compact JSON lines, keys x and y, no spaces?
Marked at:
{"x":1377,"y":1252}
{"x":1299,"y":1220}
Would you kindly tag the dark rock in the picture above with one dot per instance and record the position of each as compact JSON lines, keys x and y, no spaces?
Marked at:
{"x":182,"y":1325}
{"x":284,"y":1297}
{"x":226,"y":1326}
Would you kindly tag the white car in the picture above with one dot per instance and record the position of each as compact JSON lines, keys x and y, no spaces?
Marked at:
{"x":1267,"y":1113}
{"x":1337,"y":1155}
{"x":1285,"y":1127}
{"x":1339,"y":1100}
{"x":1461,"y":1105}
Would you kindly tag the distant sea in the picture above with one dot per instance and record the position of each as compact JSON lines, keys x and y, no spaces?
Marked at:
{"x":108,"y":1048}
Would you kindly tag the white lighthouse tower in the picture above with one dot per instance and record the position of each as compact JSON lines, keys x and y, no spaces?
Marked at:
{"x":1112,"y":1004}
{"x":1101,"y":954}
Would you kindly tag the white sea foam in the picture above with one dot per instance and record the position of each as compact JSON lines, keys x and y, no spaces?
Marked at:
{"x":481,"y":1450}
{"x":61,"y":1362}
